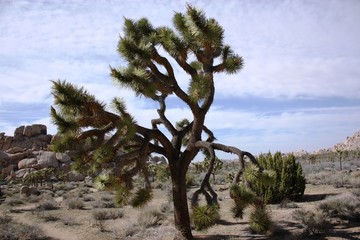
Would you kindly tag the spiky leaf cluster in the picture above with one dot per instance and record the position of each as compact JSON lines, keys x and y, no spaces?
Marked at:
{"x":141,"y":197}
{"x":260,"y":219}
{"x":242,"y":198}
{"x":205,"y":216}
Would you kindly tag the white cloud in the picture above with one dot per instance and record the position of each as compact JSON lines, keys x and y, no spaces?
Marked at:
{"x":292,"y":50}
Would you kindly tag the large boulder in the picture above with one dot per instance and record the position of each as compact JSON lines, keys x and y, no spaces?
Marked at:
{"x":19,"y":130}
{"x":26,"y":191}
{"x":27,"y":162}
{"x":23,"y":172}
{"x":47,"y":159}
{"x":7,"y":170}
{"x":75,"y":177}
{"x":7,"y":142}
{"x":63,"y":157}
{"x":38,"y":129}
{"x":16,"y":157}
{"x":14,"y":150}
{"x":27,"y":131}
{"x":3,"y":156}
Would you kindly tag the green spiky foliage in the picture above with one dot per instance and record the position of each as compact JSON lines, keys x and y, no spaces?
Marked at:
{"x":205,"y":216}
{"x":260,"y":220}
{"x":281,"y":179}
{"x":141,"y":197}
{"x":195,"y":46}
{"x":122,"y":195}
{"x":242,"y":198}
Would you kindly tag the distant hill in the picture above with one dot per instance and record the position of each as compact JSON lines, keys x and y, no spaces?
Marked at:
{"x":351,"y":143}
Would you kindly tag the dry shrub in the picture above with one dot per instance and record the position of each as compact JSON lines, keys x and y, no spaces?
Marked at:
{"x":13,"y":201}
{"x":47,"y":205}
{"x":150,"y":217}
{"x":314,"y":222}
{"x":99,"y":215}
{"x":162,"y":232}
{"x":286,"y":203}
{"x":50,"y":218}
{"x":75,"y":203}
{"x":345,"y":205}
{"x":10,"y":230}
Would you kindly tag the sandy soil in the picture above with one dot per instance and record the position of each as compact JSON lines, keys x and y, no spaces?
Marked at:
{"x":80,"y":225}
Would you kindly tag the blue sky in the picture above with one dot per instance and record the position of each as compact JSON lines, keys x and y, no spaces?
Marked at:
{"x":299,"y":89}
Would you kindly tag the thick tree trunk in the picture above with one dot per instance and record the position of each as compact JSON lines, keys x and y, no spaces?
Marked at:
{"x":181,"y":209}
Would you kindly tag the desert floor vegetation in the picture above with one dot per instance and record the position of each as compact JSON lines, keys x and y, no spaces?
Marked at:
{"x":326,"y":211}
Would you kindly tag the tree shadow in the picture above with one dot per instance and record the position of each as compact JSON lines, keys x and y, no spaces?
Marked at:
{"x":227,"y":223}
{"x":316,"y":197}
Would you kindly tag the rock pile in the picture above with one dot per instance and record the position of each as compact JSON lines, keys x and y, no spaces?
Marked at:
{"x":26,"y":137}
{"x":28,"y":151}
{"x":351,"y":143}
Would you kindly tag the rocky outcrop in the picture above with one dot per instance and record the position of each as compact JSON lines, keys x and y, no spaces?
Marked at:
{"x":26,"y":137}
{"x":351,"y":143}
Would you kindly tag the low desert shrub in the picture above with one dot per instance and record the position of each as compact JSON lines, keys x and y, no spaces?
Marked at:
{"x":69,"y":221}
{"x":345,"y":205}
{"x":50,"y":218}
{"x":99,"y":215}
{"x":314,"y":222}
{"x":10,"y":230}
{"x":167,"y":207}
{"x":14,"y":201}
{"x":5,"y":219}
{"x":150,"y":217}
{"x":286,"y":203}
{"x":47,"y":205}
{"x":75,"y":203}
{"x":88,"y":199}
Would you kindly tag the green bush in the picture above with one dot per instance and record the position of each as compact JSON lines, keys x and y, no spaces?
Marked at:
{"x":289,"y":183}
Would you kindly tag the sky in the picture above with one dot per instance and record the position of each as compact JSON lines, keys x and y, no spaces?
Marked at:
{"x":299,"y":88}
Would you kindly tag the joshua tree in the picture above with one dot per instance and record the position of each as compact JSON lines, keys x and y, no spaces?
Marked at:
{"x":153,"y":55}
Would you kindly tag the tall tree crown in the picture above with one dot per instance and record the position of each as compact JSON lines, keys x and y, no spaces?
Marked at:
{"x":114,"y":143}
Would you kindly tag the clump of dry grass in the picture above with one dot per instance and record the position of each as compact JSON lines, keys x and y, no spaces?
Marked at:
{"x":150,"y":217}
{"x":47,"y":205}
{"x":10,"y":230}
{"x":13,"y":201}
{"x":346,"y":205}
{"x":314,"y":222}
{"x":286,"y":203}
{"x":75,"y":203}
{"x":99,"y":215}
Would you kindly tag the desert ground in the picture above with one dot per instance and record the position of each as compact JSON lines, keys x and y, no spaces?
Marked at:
{"x":78,"y":211}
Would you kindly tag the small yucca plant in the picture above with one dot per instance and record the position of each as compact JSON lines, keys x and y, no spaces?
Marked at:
{"x":121,"y":196}
{"x":242,"y":198}
{"x":260,"y":219}
{"x":205,"y":216}
{"x":142,"y":196}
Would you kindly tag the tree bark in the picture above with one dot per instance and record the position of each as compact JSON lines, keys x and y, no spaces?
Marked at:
{"x":181,"y":209}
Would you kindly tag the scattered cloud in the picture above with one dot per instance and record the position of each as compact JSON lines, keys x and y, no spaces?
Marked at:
{"x":303,"y":51}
